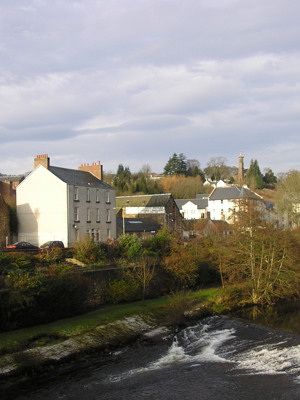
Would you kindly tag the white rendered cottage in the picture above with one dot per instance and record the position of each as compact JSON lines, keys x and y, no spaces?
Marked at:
{"x":223,"y":201}
{"x":56,"y":203}
{"x":192,"y":209}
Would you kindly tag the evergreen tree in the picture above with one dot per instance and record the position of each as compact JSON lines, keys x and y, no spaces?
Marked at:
{"x":254,"y":176}
{"x":176,"y":165}
{"x":269,"y":178}
{"x":123,"y":178}
{"x":196,"y":171}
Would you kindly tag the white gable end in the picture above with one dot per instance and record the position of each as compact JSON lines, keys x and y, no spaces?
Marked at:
{"x":42,"y":207}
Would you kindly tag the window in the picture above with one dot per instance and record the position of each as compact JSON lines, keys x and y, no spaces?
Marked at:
{"x":107,"y":196}
{"x":97,"y":196}
{"x":98,"y":215}
{"x":88,"y":215}
{"x":108,"y":234}
{"x":76,"y":214}
{"x":98,"y":235}
{"x":88,"y":195}
{"x":76,"y":194}
{"x":108,"y":215}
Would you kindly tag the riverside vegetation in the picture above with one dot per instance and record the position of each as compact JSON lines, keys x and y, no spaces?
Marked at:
{"x":160,"y":279}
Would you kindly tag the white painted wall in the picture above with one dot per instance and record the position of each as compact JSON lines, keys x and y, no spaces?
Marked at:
{"x":46,"y":205}
{"x":42,"y":208}
{"x":221,"y":209}
{"x":190,"y":211}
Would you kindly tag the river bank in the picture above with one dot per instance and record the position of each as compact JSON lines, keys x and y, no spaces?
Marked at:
{"x":216,"y":358}
{"x":39,"y":361}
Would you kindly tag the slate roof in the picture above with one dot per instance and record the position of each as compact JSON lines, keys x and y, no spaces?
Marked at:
{"x":201,"y":203}
{"x":78,"y":178}
{"x":138,"y":225}
{"x":152,"y":200}
{"x":11,"y":178}
{"x":233,"y":193}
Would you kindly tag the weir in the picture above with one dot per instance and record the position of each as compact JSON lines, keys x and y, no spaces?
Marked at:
{"x":218,"y":358}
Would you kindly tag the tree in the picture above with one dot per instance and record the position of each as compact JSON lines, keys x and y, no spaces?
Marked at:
{"x":217,"y":169}
{"x":144,"y":271}
{"x":254,"y":176}
{"x":269,"y":178}
{"x":122,"y":178}
{"x":182,"y":265}
{"x":176,"y":165}
{"x":257,"y":257}
{"x":182,"y":187}
{"x":288,"y":203}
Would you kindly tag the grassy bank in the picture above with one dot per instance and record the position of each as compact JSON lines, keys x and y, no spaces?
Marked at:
{"x":73,"y":327}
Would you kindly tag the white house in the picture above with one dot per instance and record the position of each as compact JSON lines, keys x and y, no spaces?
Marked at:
{"x":223,"y":201}
{"x":193,"y":208}
{"x":56,"y":203}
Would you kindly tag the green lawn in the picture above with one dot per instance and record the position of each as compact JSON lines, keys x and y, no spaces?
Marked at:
{"x":77,"y":325}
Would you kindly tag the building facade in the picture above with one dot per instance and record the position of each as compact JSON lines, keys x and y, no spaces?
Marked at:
{"x":55,"y":203}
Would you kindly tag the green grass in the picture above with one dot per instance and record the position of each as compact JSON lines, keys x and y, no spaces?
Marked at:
{"x":70,"y":327}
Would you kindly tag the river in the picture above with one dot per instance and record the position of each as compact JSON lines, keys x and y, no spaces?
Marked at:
{"x":218,"y":358}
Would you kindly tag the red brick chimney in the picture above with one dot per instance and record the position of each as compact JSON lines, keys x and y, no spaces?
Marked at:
{"x":42,"y":159}
{"x":95,"y":169}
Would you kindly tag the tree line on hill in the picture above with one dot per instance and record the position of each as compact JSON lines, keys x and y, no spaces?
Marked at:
{"x":184,"y":178}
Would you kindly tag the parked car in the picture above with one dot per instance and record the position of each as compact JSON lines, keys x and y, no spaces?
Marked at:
{"x":22,"y":246}
{"x":53,"y":243}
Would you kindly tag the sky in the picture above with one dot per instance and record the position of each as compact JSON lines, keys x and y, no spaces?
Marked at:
{"x":132,"y":82}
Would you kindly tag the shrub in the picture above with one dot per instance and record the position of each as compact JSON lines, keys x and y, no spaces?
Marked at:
{"x":178,"y":310}
{"x":51,"y":255}
{"x":87,"y":251}
{"x":131,"y":246}
{"x":123,"y":290}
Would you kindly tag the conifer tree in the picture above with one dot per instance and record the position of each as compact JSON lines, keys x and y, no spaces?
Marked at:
{"x":176,"y":165}
{"x":254,"y":176}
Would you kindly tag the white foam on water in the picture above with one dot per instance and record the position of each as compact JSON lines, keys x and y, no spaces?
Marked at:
{"x":196,"y":347}
{"x":199,"y":344}
{"x":271,"y":360}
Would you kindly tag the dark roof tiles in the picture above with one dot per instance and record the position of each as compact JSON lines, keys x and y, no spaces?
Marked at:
{"x":232,"y":193}
{"x":201,"y":203}
{"x":78,"y":178}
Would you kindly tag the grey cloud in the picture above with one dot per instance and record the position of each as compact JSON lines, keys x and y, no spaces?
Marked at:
{"x":144,"y":79}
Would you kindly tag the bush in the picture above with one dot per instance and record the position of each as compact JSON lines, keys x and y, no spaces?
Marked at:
{"x":131,"y":246}
{"x":88,"y":252}
{"x":11,"y":261}
{"x":123,"y":290}
{"x":51,"y":255}
{"x":178,"y":310}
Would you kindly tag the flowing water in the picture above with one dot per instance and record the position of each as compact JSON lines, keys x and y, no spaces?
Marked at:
{"x":219,"y":358}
